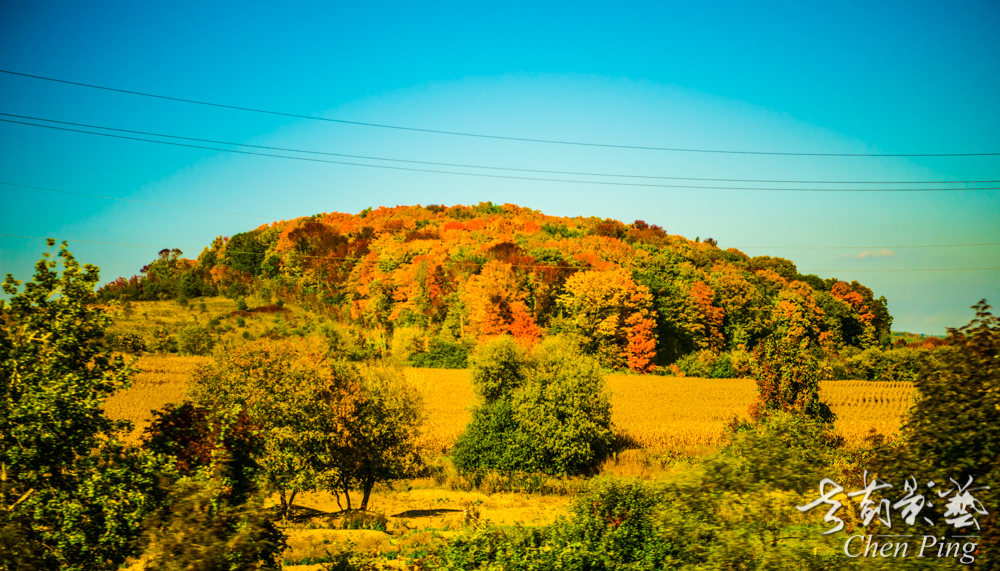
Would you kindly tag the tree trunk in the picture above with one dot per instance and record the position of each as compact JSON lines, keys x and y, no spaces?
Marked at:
{"x":284,"y":503}
{"x":347,"y":494}
{"x":368,"y":485}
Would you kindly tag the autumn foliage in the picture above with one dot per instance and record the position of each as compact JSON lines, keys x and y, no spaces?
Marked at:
{"x":639,"y":297}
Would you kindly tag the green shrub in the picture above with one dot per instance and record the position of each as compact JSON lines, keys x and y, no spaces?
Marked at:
{"x":873,"y":364}
{"x":182,"y":301}
{"x":195,"y":340}
{"x":201,"y":528}
{"x":163,"y":341}
{"x":697,"y":364}
{"x":548,"y":412}
{"x":240,"y":322}
{"x":952,"y":430}
{"x":722,"y":368}
{"x":127,"y":343}
{"x":442,"y":355}
{"x":241,"y":304}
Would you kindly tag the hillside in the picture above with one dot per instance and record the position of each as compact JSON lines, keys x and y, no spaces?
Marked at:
{"x":436,"y":280}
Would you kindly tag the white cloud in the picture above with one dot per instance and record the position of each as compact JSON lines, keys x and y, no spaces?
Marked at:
{"x":883,"y":253}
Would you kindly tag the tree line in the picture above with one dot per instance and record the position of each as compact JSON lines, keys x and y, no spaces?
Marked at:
{"x":455,"y":277}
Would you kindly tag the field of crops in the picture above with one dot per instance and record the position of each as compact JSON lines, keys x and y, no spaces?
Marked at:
{"x":162,"y":379}
{"x":652,"y":411}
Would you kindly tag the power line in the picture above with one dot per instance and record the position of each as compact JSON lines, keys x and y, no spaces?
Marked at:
{"x":487,"y":136}
{"x":489,"y":167}
{"x":135,"y":201}
{"x":456,"y":262}
{"x":911,"y":270}
{"x":485,"y":175}
{"x":864,"y":247}
{"x":83,"y":241}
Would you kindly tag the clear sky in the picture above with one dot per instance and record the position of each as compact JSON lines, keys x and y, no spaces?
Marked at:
{"x":876,"y":78}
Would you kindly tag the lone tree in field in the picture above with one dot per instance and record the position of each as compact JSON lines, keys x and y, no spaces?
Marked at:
{"x":382,"y":434}
{"x":299,"y":405}
{"x":787,"y":380}
{"x":545,"y":412}
{"x":320,"y":424}
{"x":73,"y":496}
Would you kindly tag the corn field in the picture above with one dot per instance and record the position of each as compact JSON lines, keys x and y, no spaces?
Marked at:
{"x":651,"y":412}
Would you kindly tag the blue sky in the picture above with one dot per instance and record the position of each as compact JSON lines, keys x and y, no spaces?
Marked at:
{"x":895,"y":78}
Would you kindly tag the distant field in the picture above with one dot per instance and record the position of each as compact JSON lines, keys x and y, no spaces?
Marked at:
{"x":655,"y":412}
{"x":162,"y":379}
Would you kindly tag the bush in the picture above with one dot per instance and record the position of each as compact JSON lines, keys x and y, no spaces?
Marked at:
{"x":127,"y":343}
{"x":873,"y":364}
{"x":163,"y":341}
{"x":787,"y":380}
{"x":548,"y":412}
{"x":195,"y":340}
{"x":712,"y":365}
{"x":405,"y":342}
{"x":201,"y":529}
{"x":952,"y":430}
{"x":442,"y":355}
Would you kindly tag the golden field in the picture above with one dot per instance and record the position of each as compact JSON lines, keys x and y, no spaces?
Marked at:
{"x":654,"y":412}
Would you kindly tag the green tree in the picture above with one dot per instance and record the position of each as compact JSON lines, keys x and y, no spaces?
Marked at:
{"x":300,"y":403}
{"x":548,"y":412}
{"x":382,"y":433}
{"x":952,"y":431}
{"x":787,"y":380}
{"x":71,"y":492}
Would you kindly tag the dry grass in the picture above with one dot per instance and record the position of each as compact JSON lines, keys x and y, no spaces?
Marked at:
{"x":653,"y":412}
{"x":863,"y":406}
{"x":677,"y":413}
{"x":448,"y":400}
{"x":148,"y":316}
{"x":162,"y":379}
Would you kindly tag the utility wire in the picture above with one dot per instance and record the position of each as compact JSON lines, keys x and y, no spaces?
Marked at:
{"x":910,"y":270}
{"x":485,"y":175}
{"x":136,"y":201}
{"x":459,"y":263}
{"x":863,"y":247}
{"x":513,"y":169}
{"x":83,"y":241}
{"x":487,"y":136}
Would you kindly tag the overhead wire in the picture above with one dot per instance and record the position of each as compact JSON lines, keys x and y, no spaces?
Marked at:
{"x":135,"y":201}
{"x":489,"y":167}
{"x":546,"y":266}
{"x":486,"y":175}
{"x":484,"y":135}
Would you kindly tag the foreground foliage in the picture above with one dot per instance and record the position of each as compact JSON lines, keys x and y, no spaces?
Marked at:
{"x":73,"y":496}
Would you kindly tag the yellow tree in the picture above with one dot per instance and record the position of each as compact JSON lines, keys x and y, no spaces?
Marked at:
{"x":497,"y":305}
{"x":614,"y":315}
{"x":705,"y":319}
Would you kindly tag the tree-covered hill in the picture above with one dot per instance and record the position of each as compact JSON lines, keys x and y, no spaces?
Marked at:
{"x":635,"y":296}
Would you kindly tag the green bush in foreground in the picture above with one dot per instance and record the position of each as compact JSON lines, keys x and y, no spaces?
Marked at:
{"x":547,"y":412}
